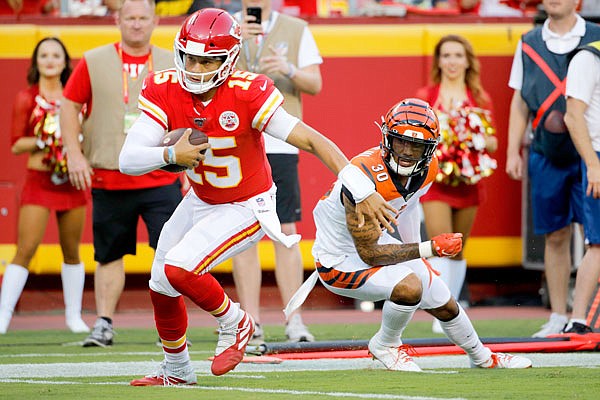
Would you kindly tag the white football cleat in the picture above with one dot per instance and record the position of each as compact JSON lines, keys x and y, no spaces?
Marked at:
{"x":503,"y":360}
{"x":395,"y":358}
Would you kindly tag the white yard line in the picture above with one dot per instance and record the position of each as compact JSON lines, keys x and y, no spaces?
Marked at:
{"x":430,"y":364}
{"x":59,"y":373}
{"x":249,"y":390}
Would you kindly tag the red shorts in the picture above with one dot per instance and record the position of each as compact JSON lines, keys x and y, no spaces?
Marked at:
{"x":40,"y":191}
{"x":461,"y":196}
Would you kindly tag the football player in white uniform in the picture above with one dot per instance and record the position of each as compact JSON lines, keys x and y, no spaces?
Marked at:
{"x":368,"y":263}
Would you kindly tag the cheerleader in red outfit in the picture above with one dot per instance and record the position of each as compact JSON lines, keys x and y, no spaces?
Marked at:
{"x":466,"y":139}
{"x":35,"y":131}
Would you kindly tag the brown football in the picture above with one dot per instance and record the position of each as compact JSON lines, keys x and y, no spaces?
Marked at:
{"x":196,"y":137}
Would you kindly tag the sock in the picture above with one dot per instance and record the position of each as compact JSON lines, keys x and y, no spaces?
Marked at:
{"x":171,"y":320}
{"x":109,"y":320}
{"x":206,"y":292}
{"x":394,"y":319}
{"x":73,"y":279}
{"x":460,"y":331}
{"x":13,"y":283}
{"x":452,"y":272}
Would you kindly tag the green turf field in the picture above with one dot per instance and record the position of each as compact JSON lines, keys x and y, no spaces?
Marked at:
{"x":51,"y":365}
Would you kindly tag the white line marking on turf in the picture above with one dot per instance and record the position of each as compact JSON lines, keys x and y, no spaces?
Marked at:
{"x":157,"y":353}
{"x":249,"y":390}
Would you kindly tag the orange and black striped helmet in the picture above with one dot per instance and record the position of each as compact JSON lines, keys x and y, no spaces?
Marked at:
{"x":412,"y":121}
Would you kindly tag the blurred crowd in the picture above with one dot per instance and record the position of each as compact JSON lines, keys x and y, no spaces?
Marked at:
{"x":312,"y":8}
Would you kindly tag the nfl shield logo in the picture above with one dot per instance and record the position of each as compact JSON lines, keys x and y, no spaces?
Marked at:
{"x":260,"y":201}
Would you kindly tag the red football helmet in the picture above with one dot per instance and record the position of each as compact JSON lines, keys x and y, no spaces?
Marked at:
{"x":412,"y":120}
{"x":209,"y":32}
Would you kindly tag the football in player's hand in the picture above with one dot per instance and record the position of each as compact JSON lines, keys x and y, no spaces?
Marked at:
{"x":196,"y":137}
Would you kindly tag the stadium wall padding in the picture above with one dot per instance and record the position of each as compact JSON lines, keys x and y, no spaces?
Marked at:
{"x":366,"y":69}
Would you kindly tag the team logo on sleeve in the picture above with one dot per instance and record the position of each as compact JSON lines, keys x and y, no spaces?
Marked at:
{"x":229,"y":121}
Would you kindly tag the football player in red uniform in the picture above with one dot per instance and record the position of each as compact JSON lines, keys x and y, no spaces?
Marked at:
{"x":367,"y":264}
{"x":231,"y":203}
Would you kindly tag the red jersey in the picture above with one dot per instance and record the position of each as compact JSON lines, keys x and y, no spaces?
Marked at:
{"x":21,"y":117}
{"x":236,"y":167}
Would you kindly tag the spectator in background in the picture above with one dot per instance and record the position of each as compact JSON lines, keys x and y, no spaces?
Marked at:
{"x":583,"y":120}
{"x":107,"y":81}
{"x":184,"y":7}
{"x":538,"y":70}
{"x":282,"y":48}
{"x":29,"y":7}
{"x":464,"y":109}
{"x":35,"y":131}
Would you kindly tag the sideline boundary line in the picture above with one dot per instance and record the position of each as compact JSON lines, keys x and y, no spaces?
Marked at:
{"x":248,"y":390}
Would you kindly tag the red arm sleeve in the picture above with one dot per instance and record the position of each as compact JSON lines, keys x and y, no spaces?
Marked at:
{"x":22,"y":109}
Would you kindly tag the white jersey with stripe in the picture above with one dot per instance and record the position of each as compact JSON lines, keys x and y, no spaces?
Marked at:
{"x":333,"y":242}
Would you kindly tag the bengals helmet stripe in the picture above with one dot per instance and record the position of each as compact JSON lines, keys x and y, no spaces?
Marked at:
{"x":410,"y":120}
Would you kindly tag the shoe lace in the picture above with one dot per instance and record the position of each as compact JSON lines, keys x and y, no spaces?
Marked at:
{"x":163,"y":374}
{"x":501,"y":359}
{"x":227,"y":336}
{"x":405,"y":352}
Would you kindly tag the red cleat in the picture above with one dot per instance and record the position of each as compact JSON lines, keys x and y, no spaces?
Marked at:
{"x":169,"y":374}
{"x":232,"y":345}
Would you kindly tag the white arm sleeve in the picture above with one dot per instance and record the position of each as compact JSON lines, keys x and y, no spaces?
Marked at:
{"x":142,"y":151}
{"x":409,"y":223}
{"x":281,"y":124}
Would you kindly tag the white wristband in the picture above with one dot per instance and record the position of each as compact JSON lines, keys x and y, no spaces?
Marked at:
{"x":425,"y":249}
{"x":356,"y":182}
{"x":171,"y":155}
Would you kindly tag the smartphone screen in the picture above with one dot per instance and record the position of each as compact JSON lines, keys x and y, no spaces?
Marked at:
{"x":257,"y":12}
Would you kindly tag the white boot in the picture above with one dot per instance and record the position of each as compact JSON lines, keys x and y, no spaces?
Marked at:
{"x":13,"y":283}
{"x":73,"y":279}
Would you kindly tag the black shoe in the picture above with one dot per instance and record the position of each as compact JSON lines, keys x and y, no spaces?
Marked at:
{"x":580,"y":329}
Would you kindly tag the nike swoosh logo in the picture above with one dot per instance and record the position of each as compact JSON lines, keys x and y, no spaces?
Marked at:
{"x":264,"y":86}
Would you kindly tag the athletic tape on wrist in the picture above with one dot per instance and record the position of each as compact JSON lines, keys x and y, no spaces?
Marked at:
{"x":171,"y":155}
{"x":356,"y":182}
{"x":425,"y":249}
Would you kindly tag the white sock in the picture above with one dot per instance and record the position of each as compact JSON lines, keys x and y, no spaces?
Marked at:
{"x":579,"y":321}
{"x":460,"y":331}
{"x":13,"y":283}
{"x":233,"y":315}
{"x":394,"y":318}
{"x":180,"y":357}
{"x":73,"y":279}
{"x":452,"y":272}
